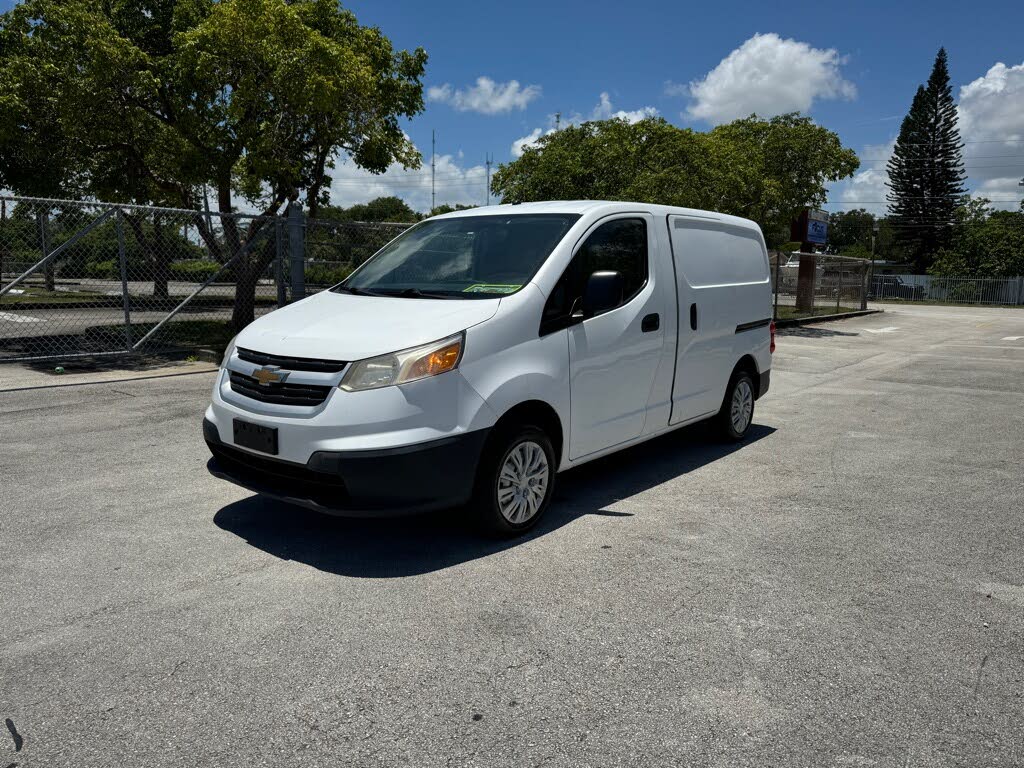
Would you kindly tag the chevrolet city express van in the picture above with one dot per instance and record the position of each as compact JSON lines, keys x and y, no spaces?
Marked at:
{"x":483,"y":351}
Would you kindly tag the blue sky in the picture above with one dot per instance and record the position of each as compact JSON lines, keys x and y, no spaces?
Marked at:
{"x":853,"y":67}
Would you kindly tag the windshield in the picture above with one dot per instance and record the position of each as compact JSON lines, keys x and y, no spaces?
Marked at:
{"x":470,"y":257}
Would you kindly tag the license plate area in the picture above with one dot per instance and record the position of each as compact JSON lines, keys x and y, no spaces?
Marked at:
{"x":255,"y":437}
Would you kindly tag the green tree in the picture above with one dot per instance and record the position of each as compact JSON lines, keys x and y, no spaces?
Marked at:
{"x":152,"y":100}
{"x":926,"y":171}
{"x":848,"y":230}
{"x":984,"y":242}
{"x":449,"y":208}
{"x":781,"y":166}
{"x":765,"y":170}
{"x":379,"y":209}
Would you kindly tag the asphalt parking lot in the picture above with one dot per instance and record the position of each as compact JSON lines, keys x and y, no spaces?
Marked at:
{"x":845,"y":589}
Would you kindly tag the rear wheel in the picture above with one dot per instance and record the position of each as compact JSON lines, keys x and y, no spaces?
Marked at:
{"x":737,"y":413}
{"x":515,"y":481}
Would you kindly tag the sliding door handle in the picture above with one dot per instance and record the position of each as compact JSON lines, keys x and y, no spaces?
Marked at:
{"x":693,"y":317}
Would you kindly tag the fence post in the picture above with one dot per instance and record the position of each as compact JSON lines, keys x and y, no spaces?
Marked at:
{"x":123,"y":262}
{"x":839,"y":291}
{"x":296,"y":249}
{"x":49,"y":283}
{"x":282,"y":290}
{"x":1020,"y":290}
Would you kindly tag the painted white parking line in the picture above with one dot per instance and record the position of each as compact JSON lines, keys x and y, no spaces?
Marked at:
{"x":1012,"y":338}
{"x":11,"y":317}
{"x":889,"y":329}
{"x":981,"y":346}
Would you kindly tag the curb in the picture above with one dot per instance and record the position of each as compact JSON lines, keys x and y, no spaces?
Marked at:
{"x":142,"y":377}
{"x":791,"y":321}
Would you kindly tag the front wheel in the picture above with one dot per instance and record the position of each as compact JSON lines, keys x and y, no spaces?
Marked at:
{"x":737,"y":413}
{"x":515,"y":481}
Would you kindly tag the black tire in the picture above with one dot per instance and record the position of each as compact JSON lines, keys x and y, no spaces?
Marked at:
{"x":731,"y":429}
{"x":487,"y":507}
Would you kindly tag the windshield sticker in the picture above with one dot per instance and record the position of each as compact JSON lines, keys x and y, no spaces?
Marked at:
{"x":492,"y":288}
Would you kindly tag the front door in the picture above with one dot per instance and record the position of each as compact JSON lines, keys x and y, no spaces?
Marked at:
{"x":614,"y":356}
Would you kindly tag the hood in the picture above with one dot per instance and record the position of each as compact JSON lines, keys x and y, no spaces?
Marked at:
{"x":338,"y":326}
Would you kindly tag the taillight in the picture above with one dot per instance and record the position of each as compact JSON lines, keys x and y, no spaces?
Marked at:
{"x":771,"y":328}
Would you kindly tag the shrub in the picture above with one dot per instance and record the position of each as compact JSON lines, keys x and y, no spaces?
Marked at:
{"x":326,"y":274}
{"x":102,"y":270}
{"x":196,"y":270}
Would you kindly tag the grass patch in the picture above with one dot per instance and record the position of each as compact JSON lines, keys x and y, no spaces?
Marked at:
{"x":35,"y":295}
{"x":190,"y":334}
{"x":40,"y":298}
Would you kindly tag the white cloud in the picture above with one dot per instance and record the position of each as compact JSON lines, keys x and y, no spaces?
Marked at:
{"x":991,"y":115}
{"x":604,"y":110}
{"x":455,"y":183}
{"x":673,"y":88}
{"x":1005,"y":193}
{"x":523,"y":143}
{"x":992,"y":107}
{"x":486,"y":97}
{"x":867,"y":188}
{"x":770,"y":76}
{"x":991,"y":121}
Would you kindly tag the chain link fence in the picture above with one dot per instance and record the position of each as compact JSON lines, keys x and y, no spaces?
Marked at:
{"x":806,"y":285}
{"x":334,"y":248}
{"x":84,"y":279}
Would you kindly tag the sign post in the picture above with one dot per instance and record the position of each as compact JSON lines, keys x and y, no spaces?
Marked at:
{"x":810,"y":229}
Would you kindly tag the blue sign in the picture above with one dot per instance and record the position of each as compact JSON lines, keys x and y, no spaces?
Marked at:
{"x":817,"y":232}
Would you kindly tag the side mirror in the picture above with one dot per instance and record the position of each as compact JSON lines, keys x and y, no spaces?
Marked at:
{"x":603,"y":292}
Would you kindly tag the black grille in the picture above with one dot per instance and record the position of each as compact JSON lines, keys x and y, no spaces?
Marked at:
{"x":290,"y":363}
{"x":281,"y":394}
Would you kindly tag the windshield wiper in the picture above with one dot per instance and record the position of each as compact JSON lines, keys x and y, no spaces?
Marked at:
{"x":415,"y":293}
{"x":354,"y":291}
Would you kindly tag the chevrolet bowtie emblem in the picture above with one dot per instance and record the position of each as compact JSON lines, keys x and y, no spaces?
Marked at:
{"x":269,"y":374}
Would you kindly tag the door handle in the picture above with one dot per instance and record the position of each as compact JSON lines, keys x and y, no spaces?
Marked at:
{"x":650,"y":323}
{"x":693,"y":317}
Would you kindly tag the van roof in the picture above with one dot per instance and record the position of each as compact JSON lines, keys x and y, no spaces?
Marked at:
{"x":603,"y":207}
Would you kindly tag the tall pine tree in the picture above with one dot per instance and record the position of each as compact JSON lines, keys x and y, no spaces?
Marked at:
{"x":926,"y":170}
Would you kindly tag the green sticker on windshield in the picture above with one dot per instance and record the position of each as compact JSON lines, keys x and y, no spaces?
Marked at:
{"x":492,"y":288}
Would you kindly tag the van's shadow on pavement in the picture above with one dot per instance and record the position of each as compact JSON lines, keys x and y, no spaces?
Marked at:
{"x":809,"y":332}
{"x":388,"y":548}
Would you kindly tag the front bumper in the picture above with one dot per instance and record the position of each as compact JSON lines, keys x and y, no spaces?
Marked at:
{"x":415,"y":478}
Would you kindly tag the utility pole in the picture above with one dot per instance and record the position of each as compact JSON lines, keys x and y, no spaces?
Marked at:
{"x":487,"y":162}
{"x":875,"y":227}
{"x":433,"y":170}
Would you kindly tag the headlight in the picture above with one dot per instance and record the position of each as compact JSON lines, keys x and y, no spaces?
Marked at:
{"x":227,"y":352}
{"x":405,"y":366}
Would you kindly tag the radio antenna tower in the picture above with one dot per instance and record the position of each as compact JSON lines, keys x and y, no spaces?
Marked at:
{"x":488,"y":162}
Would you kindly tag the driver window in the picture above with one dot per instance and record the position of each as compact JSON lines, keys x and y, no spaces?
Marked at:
{"x":619,"y":245}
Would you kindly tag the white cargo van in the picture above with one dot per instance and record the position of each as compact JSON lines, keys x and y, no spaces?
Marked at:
{"x":481,"y":352}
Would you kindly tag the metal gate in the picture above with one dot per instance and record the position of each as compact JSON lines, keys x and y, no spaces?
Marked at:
{"x":86,"y":279}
